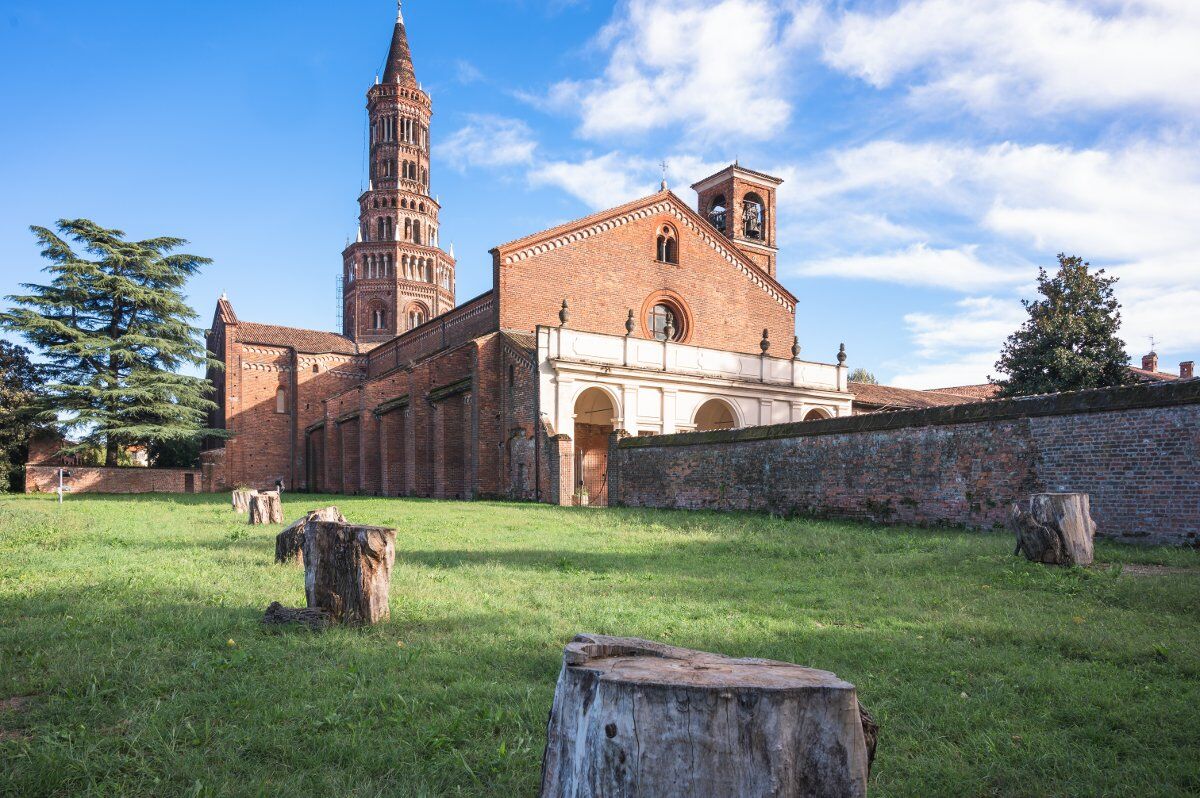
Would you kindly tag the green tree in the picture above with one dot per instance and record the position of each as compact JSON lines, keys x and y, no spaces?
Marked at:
{"x":861,"y":375}
{"x":20,"y":383}
{"x":1069,"y":342}
{"x":114,"y":330}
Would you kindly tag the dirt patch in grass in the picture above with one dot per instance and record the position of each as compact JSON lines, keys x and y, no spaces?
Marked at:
{"x":1130,"y":569}
{"x":20,"y":703}
{"x":9,"y":736}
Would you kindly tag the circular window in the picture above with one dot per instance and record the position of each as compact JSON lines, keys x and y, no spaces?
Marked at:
{"x":665,"y":310}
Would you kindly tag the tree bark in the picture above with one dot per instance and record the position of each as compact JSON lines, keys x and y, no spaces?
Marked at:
{"x":266,"y":508}
{"x":1054,"y":528}
{"x":636,"y":718}
{"x":241,"y":500}
{"x":348,"y":570}
{"x":289,"y":544}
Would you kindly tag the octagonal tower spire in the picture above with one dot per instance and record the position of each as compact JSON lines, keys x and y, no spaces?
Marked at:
{"x":399,"y":62}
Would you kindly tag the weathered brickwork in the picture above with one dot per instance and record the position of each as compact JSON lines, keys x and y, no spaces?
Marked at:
{"x":1136,"y":451}
{"x":614,"y":270}
{"x":44,"y":479}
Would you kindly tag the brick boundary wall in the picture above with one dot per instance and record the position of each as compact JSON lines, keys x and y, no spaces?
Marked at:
{"x":1135,"y":450}
{"x":84,"y":479}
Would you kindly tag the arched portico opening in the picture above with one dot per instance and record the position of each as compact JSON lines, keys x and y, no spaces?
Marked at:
{"x":817,"y":414}
{"x":595,"y":419}
{"x":715,"y":414}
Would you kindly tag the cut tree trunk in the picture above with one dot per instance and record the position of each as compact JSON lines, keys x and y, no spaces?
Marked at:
{"x":266,"y":508}
{"x":348,"y":570}
{"x":289,"y":544}
{"x":279,"y":615}
{"x":241,"y":500}
{"x":637,"y":718}
{"x":1054,"y":528}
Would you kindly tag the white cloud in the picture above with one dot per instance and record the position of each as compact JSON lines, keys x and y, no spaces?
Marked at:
{"x":969,"y":369}
{"x":489,"y":141}
{"x":957,"y":269}
{"x":979,"y":323}
{"x":960,"y":347}
{"x":599,"y":182}
{"x":711,"y":67}
{"x":1041,"y":56}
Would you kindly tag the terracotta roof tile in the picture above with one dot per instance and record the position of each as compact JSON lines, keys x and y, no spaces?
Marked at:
{"x":885,"y":397}
{"x":980,"y":392}
{"x":315,"y":342}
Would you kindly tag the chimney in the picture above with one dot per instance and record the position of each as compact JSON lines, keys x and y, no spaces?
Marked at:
{"x":1150,"y":362}
{"x":1187,"y":370}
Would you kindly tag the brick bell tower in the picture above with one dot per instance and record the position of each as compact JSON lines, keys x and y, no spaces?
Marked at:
{"x":396,"y":275}
{"x":740,"y":203}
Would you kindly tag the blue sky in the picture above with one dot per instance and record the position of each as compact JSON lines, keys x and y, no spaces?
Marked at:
{"x":936,"y":152}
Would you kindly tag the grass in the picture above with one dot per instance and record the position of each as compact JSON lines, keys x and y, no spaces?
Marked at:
{"x":130,"y":626}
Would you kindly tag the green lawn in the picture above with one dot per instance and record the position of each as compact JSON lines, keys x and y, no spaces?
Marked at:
{"x":131,"y":628}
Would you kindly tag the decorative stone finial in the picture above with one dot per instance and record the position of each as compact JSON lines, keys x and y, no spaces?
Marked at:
{"x":564,"y":315}
{"x":765,"y":344}
{"x":842,"y":355}
{"x":796,"y":348}
{"x":399,"y":12}
{"x":669,"y":330}
{"x":629,"y":323}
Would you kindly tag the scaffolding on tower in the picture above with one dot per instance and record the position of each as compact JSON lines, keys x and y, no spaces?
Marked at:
{"x":337,"y":292}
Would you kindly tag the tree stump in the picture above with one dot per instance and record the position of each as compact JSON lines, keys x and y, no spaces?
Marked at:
{"x":348,"y":570}
{"x":266,"y":508}
{"x":279,"y":615}
{"x":241,"y":500}
{"x":289,"y":544}
{"x":637,"y":718}
{"x":1054,"y":528}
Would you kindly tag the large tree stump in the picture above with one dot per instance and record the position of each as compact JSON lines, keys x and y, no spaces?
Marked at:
{"x":348,"y":570}
{"x":641,"y":719}
{"x":266,"y":508}
{"x":241,"y":500}
{"x":1054,"y":528}
{"x":289,"y":544}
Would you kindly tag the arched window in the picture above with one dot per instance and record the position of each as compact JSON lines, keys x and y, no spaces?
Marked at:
{"x":417,"y":315}
{"x":316,"y":368}
{"x":754,"y":217}
{"x":716,"y":212}
{"x":378,"y":319}
{"x":416,"y":230}
{"x":379,"y":229}
{"x":281,"y":401}
{"x":668,"y":245}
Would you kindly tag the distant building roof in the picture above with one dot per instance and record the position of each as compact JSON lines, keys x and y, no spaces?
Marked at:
{"x":978,"y":392}
{"x":313,"y":342}
{"x":872,"y":398}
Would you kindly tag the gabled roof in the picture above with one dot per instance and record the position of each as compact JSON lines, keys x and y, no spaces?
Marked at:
{"x":312,"y":342}
{"x":663,"y":201}
{"x":525,"y":342}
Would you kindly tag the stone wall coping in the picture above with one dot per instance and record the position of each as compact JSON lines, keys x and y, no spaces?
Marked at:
{"x":1098,"y":400}
{"x":131,"y":469}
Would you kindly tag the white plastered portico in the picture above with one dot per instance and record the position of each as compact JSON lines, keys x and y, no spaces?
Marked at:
{"x":657,"y":387}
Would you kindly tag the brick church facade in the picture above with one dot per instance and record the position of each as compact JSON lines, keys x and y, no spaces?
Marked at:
{"x":651,"y":317}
